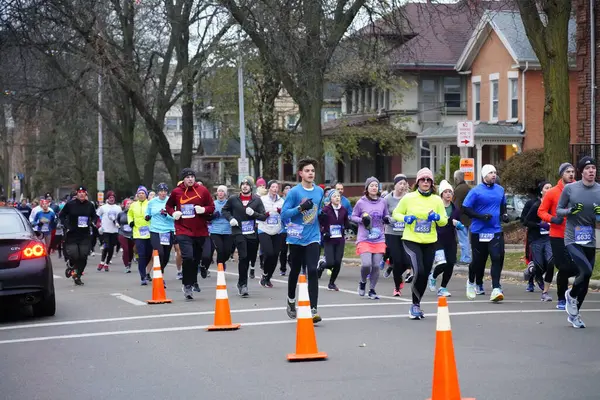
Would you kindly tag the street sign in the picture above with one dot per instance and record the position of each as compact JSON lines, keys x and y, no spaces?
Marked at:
{"x":465,"y":136}
{"x":467,"y":166}
{"x":100,"y":179}
{"x":100,"y":197}
{"x":243,"y":168}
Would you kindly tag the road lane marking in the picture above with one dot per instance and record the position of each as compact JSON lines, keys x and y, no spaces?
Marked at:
{"x":128,"y":299}
{"x":56,"y":276}
{"x":260,"y":323}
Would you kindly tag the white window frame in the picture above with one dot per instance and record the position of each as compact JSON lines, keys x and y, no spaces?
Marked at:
{"x":476,"y":82}
{"x":513,"y":76}
{"x":494,"y":78}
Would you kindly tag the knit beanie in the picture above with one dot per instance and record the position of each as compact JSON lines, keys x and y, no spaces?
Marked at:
{"x":486,"y":169}
{"x":370,"y":180}
{"x":424,"y":173}
{"x":563,"y":167}
{"x":399,"y":177}
{"x":445,"y":185}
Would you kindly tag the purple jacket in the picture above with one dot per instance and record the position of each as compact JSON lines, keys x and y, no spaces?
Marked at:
{"x":327,"y":218}
{"x":377,"y":209}
{"x":447,"y":233}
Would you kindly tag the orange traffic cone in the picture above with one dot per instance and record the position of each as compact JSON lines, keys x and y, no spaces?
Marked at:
{"x":306,"y":341}
{"x":158,"y":288}
{"x":222,"y":312}
{"x":445,"y":376}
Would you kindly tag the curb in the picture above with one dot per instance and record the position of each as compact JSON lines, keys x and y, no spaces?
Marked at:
{"x":594,"y":283}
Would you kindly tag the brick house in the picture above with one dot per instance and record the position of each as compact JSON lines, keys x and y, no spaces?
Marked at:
{"x":505,"y":97}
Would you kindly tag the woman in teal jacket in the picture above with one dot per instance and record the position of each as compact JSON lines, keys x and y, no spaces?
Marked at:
{"x":162,"y":225}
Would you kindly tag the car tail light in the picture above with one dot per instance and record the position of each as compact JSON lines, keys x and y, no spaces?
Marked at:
{"x":31,"y":251}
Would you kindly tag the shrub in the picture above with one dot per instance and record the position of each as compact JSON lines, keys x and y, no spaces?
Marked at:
{"x":522,"y":172}
{"x":454,"y":166}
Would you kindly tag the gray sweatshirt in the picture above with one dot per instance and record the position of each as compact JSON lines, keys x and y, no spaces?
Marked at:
{"x":581,"y":227}
{"x":397,"y":227}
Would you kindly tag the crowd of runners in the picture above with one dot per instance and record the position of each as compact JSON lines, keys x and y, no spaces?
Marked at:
{"x":410,"y":233}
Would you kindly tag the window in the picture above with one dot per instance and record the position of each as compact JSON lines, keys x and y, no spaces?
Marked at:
{"x":425,"y":155}
{"x":291,"y":121}
{"x":452,"y":91}
{"x":477,"y":101}
{"x":513,"y":90}
{"x":172,"y":124}
{"x":494,"y":100}
{"x":330,"y":116}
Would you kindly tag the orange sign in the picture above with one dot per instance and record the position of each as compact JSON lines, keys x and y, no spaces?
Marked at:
{"x":467,"y":166}
{"x":100,"y":197}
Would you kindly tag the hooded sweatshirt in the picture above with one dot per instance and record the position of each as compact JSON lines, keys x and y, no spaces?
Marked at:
{"x":377,"y":209}
{"x":184,"y":199}
{"x":272,"y":225}
{"x":136,"y":214}
{"x":159,"y":223}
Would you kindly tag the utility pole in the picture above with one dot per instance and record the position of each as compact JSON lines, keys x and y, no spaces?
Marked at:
{"x":100,"y":174}
{"x":243,"y":164}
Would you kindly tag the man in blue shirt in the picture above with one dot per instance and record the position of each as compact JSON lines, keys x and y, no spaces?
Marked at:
{"x":486,"y":206}
{"x":303,"y":234}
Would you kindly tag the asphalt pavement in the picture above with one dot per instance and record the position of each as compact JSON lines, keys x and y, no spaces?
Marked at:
{"x":106,"y":343}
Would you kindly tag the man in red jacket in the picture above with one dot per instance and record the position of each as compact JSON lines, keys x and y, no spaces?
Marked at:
{"x":190,"y":204}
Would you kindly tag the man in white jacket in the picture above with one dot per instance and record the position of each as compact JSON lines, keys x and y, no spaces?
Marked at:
{"x":109,"y":229}
{"x":270,"y":233}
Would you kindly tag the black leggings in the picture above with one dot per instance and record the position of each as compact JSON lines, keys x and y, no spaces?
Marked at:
{"x":108,"y":248}
{"x":77,"y":249}
{"x":541,"y":255}
{"x":207,"y":253}
{"x":421,"y":258}
{"x":223,"y":245}
{"x":305,"y":255}
{"x":283,"y":254}
{"x":447,"y":268}
{"x":564,"y":264}
{"x":398,"y":257}
{"x":270,"y":246}
{"x":247,"y":248}
{"x":481,"y":250}
{"x":334,"y":253}
{"x":584,"y":259}
{"x":164,"y":250}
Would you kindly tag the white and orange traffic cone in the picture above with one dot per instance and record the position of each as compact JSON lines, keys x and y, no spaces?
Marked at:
{"x":159,"y":296}
{"x":445,"y":375}
{"x":306,"y":340}
{"x":222,"y":312}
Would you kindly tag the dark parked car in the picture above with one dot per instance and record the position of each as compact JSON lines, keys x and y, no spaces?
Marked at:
{"x":25,"y":268}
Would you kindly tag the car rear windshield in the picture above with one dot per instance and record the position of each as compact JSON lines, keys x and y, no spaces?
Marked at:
{"x":11,"y":223}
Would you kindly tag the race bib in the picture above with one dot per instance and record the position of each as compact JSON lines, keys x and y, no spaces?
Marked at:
{"x":423,"y":226}
{"x":165,"y":239}
{"x":374,"y":234}
{"x":295,"y":231}
{"x":112,"y":215}
{"x":485,"y":237}
{"x":126,"y":228}
{"x":335,"y":231}
{"x":440,"y":258}
{"x":398,"y":226}
{"x":544,"y":231}
{"x":144,"y":231}
{"x":45,"y":228}
{"x":82,"y":222}
{"x":583,"y":234}
{"x":273,"y":220}
{"x":247,"y":227}
{"x":59,"y":231}
{"x":188,"y":211}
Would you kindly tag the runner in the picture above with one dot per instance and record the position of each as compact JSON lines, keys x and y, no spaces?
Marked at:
{"x":370,"y":213}
{"x":445,"y":255}
{"x":269,"y":232}
{"x":220,"y":230}
{"x":539,"y":244}
{"x":486,"y":206}
{"x":126,"y":236}
{"x":580,"y":204}
{"x":136,"y":217}
{"x":393,"y":236}
{"x":77,"y":216}
{"x":109,"y":230}
{"x":45,"y":222}
{"x":242,"y":212}
{"x":547,"y":213}
{"x":161,"y":226}
{"x":461,"y":190}
{"x":190,"y":204}
{"x":333,"y":220}
{"x":419,"y":210}
{"x":60,"y":235}
{"x":284,"y":259}
{"x":303,"y":235}
{"x":534,"y":197}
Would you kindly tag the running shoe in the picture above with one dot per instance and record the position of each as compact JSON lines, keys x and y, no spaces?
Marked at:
{"x":291,"y":308}
{"x":540,"y":282}
{"x":571,"y":304}
{"x":315,"y":315}
{"x":77,"y":280}
{"x":480,"y":290}
{"x":196,"y":288}
{"x":497,"y":295}
{"x":443,"y":292}
{"x":128,"y":269}
{"x":263,"y":281}
{"x":414,"y":312}
{"x":373,"y":295}
{"x":471,"y":293}
{"x":269,"y":284}
{"x":362,"y":287}
{"x":100,"y":267}
{"x":333,"y":287}
{"x":409,"y":277}
{"x":576,"y":322}
{"x":546,"y":297}
{"x":179,"y":276}
{"x":397,"y":293}
{"x":106,"y":268}
{"x":388,"y":272}
{"x":530,"y":288}
{"x":203,"y":271}
{"x":244,"y":291}
{"x":561,"y":305}
{"x":281,"y":273}
{"x":188,"y":292}
{"x":432,"y":283}
{"x":252,"y":276}
{"x":144,"y":282}
{"x":382,"y":265}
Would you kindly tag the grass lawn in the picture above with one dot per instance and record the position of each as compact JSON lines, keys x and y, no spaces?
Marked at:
{"x":512,"y":260}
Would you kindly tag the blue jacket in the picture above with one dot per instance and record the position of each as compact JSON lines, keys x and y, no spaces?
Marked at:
{"x":346,"y":204}
{"x":159,"y":223}
{"x":219,"y":225}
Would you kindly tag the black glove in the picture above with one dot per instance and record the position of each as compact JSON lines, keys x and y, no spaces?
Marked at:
{"x":387,"y":220}
{"x":40,"y":225}
{"x":505,"y":218}
{"x":486,"y":217}
{"x":132,"y":224}
{"x":557,"y":220}
{"x":147,"y":217}
{"x":366,"y":220}
{"x":163,"y":212}
{"x":307,"y":205}
{"x":326,"y":236}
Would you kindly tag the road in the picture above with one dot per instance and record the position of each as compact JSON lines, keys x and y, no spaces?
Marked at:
{"x":105,"y":343}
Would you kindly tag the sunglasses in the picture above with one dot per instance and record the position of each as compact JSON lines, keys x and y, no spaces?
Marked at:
{"x":426,"y":180}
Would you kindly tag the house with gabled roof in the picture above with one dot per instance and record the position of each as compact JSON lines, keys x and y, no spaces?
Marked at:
{"x":505,"y":91}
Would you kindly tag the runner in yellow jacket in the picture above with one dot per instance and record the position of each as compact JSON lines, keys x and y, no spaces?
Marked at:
{"x":136,"y":217}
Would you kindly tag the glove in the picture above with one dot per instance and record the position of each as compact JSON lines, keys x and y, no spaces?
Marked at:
{"x":39,"y":225}
{"x":366,"y":220}
{"x":163,"y":212}
{"x":307,"y":205}
{"x":505,"y":218}
{"x":433,"y":216}
{"x":596,"y":209}
{"x":132,"y":224}
{"x":460,"y":226}
{"x":278,"y":210}
{"x":249,"y":211}
{"x":147,"y":217}
{"x":486,"y":217}
{"x":216,"y":214}
{"x":199,"y":209}
{"x":409,"y":219}
{"x":267,"y":214}
{"x":387,"y":220}
{"x":557,"y":220}
{"x":545,"y":226}
{"x":233,"y":222}
{"x":177,"y":215}
{"x":101,"y":231}
{"x":576,"y":209}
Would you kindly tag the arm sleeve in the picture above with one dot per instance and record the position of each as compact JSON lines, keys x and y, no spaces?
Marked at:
{"x":289,"y":209}
{"x":209,"y":204}
{"x":562,"y":209}
{"x":93,"y":216}
{"x":355,"y":216}
{"x":544,"y":209}
{"x":226,"y":210}
{"x":100,"y":211}
{"x":149,"y":208}
{"x":170,"y":206}
{"x":260,"y":213}
{"x":469,"y":212}
{"x":130,"y":214}
{"x":349,"y":207}
{"x":530,"y":219}
{"x":525,"y":211}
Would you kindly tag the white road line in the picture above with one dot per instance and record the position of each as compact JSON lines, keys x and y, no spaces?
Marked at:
{"x":259,"y":323}
{"x":56,"y":276}
{"x":128,"y":299}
